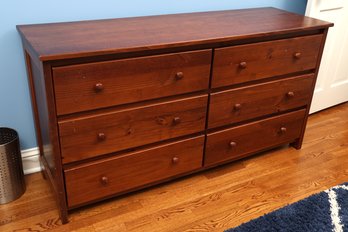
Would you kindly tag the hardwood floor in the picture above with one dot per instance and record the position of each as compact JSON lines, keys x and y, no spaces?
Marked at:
{"x":213,"y":200}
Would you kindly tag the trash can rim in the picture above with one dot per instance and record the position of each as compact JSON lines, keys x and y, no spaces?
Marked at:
{"x":11,"y":141}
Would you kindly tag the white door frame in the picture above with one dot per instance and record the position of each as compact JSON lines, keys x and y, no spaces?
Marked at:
{"x":332,"y":83}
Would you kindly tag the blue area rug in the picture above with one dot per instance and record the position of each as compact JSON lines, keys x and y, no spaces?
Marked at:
{"x":325,"y":211}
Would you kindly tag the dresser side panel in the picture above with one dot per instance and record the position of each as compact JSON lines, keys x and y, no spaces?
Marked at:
{"x":43,"y":118}
{"x":298,"y":143}
{"x":44,"y":112}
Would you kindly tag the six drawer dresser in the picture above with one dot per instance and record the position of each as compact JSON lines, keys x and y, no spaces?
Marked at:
{"x":122,"y":104}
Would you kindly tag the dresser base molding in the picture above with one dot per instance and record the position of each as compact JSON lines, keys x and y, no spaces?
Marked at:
{"x":206,"y":90}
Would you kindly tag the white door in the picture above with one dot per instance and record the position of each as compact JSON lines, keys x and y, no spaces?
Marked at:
{"x":332,"y":83}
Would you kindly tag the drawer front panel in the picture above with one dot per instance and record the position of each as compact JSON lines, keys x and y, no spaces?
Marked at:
{"x":242,"y":140}
{"x":103,"y":178}
{"x":114,"y":131}
{"x":95,"y":85}
{"x":233,"y":65}
{"x":245,"y":103}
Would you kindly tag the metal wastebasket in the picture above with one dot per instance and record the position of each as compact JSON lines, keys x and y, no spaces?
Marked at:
{"x":12,"y":184}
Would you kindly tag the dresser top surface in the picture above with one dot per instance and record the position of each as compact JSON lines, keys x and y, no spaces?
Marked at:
{"x":101,"y":37}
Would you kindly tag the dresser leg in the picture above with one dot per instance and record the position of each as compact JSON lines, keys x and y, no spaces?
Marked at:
{"x":297,"y":144}
{"x":64,"y":217}
{"x":43,"y":174}
{"x":43,"y":170}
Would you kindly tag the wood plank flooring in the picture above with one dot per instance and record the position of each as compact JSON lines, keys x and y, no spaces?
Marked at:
{"x":214,"y":200}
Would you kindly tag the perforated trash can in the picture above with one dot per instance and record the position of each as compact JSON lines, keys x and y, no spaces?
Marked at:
{"x":12,"y":184}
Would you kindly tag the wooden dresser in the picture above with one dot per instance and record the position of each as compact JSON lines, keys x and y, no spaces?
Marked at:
{"x":123,"y":104}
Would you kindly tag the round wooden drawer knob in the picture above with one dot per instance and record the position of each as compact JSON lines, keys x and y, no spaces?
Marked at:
{"x":175,"y":160}
{"x":179,"y":75}
{"x":242,"y":65}
{"x":98,"y":87}
{"x":290,"y":94}
{"x":104,"y":180}
{"x":283,"y":130}
{"x":176,"y":120}
{"x":237,"y":106}
{"x":130,"y":131}
{"x":232,"y":144}
{"x":101,"y":136}
{"x":297,"y":55}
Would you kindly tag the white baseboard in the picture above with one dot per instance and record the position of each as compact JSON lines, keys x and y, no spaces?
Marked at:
{"x":30,"y":159}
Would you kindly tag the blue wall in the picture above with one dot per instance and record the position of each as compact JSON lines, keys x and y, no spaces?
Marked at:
{"x":15,"y":106}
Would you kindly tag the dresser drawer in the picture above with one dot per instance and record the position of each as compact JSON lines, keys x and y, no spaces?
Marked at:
{"x":114,"y":175}
{"x":90,"y":136}
{"x":242,"y":140}
{"x":250,"y":62}
{"x":245,"y":103}
{"x":102,"y":84}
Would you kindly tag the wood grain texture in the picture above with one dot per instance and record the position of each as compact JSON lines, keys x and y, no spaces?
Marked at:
{"x":129,"y":80}
{"x":45,"y":117}
{"x":145,"y":48}
{"x":240,"y":104}
{"x":50,"y":41}
{"x":244,"y":63}
{"x":121,"y":173}
{"x":131,"y":127}
{"x":213,"y":200}
{"x":298,"y":143}
{"x":235,"y":142}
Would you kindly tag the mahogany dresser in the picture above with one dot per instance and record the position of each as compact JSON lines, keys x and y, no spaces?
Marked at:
{"x":122,"y":104}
